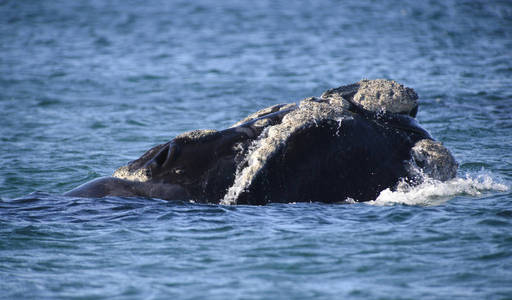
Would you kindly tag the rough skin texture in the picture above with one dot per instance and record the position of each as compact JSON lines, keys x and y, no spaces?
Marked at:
{"x":379,"y":95}
{"x":270,"y":141}
{"x":354,"y":141}
{"x":434,"y":159}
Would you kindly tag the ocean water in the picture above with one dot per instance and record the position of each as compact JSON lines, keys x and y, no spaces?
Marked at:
{"x":86,"y":86}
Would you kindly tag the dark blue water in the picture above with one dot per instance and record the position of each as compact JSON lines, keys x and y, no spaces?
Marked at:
{"x":86,"y":86}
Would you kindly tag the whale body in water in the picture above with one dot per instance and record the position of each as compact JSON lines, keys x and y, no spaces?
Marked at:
{"x":352,"y":142}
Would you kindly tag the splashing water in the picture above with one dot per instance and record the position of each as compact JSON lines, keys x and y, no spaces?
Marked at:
{"x":434,"y":192}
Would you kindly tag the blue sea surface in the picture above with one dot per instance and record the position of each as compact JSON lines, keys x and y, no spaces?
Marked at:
{"x":86,"y":86}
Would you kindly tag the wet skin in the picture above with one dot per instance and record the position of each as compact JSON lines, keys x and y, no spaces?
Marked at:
{"x":319,"y":163}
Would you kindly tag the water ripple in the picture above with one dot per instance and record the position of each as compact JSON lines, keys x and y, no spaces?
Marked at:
{"x":86,"y":86}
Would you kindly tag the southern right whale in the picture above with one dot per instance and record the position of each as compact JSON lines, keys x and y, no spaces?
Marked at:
{"x":351,"y":142}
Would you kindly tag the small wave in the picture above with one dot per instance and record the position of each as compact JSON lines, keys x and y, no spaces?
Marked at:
{"x":434,"y":192}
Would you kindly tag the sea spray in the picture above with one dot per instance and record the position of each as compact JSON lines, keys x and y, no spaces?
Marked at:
{"x":435,"y":192}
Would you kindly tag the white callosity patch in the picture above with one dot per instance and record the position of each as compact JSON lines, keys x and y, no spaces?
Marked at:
{"x":141,"y":175}
{"x":273,"y":138}
{"x":379,"y":95}
{"x":434,"y":160}
{"x":336,"y":100}
{"x":385,"y":95}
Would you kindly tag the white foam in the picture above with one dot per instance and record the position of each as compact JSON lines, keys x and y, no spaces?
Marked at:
{"x":434,"y":192}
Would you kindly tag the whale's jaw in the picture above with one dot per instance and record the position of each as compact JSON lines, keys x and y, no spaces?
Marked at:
{"x":111,"y":186}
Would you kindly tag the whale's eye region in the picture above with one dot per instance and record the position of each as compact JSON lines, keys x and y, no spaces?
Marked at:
{"x":165,"y":157}
{"x":188,"y":161}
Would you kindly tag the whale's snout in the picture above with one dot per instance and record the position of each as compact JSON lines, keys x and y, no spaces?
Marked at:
{"x":111,"y":186}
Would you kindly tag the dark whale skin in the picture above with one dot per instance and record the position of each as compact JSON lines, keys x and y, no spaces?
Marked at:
{"x":326,"y":164}
{"x":328,"y":149}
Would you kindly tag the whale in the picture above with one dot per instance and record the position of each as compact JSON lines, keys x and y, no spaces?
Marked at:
{"x":350,"y":143}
